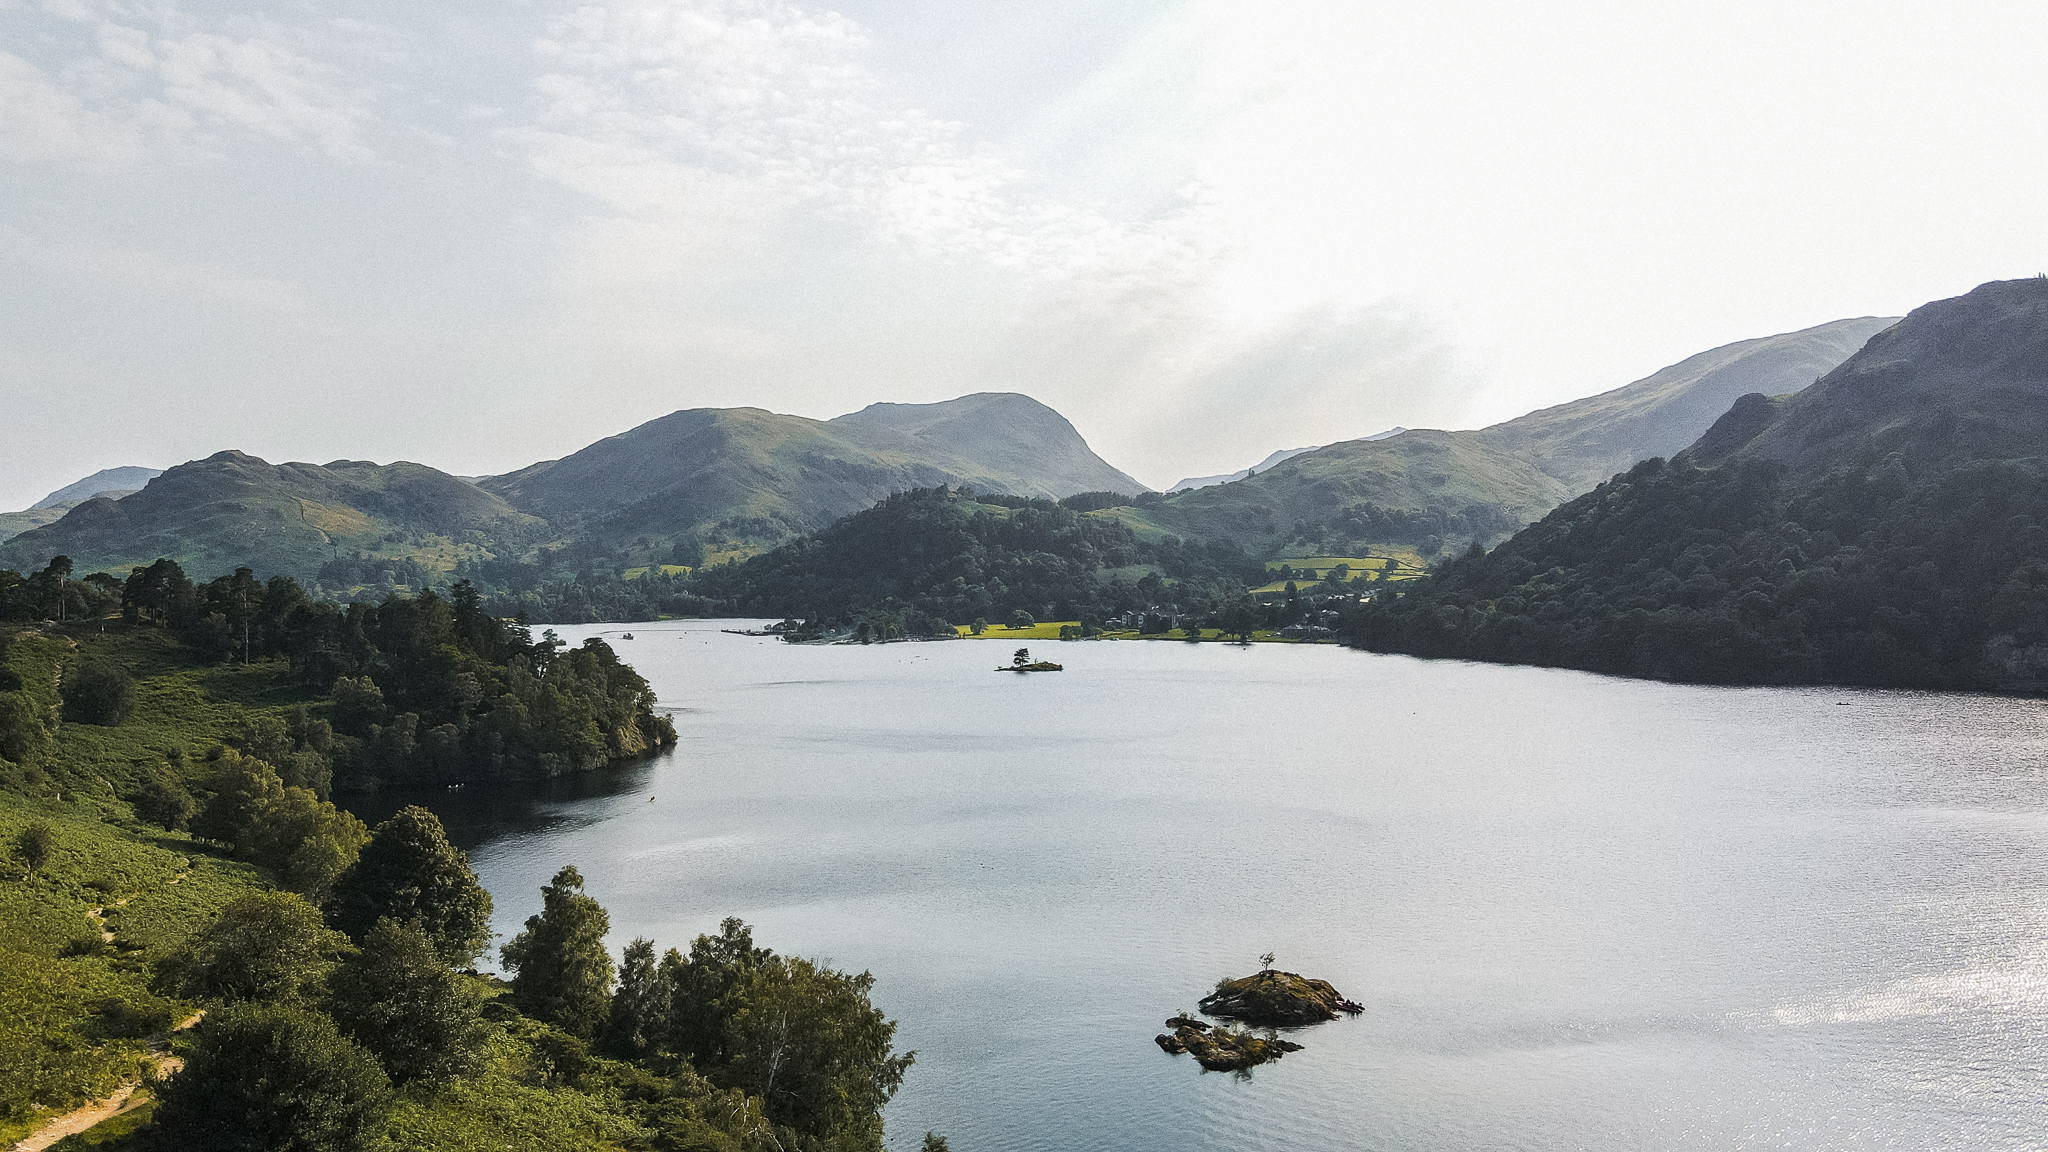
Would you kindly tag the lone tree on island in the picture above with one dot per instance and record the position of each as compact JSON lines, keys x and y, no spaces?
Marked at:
{"x":1266,"y":962}
{"x":1022,"y":657}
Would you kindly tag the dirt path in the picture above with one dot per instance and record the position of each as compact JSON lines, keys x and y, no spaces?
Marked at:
{"x":124,"y":1098}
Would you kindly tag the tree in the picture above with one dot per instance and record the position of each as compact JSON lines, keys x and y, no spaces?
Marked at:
{"x":307,"y":841}
{"x":34,"y":846}
{"x":99,"y":693}
{"x":274,"y":1078}
{"x":269,"y":946}
{"x":933,"y":1142}
{"x":1020,"y":658}
{"x":1021,"y":619}
{"x":562,"y":973}
{"x":398,"y":998}
{"x":708,"y":988}
{"x":1266,"y":961}
{"x":819,"y":1055}
{"x":410,"y":872}
{"x":979,"y":626}
{"x":640,"y":1007}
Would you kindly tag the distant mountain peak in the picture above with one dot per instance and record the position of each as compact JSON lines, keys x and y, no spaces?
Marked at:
{"x":106,"y":480}
{"x":1280,"y":457}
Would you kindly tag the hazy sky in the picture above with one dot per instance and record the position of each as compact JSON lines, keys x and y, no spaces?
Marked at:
{"x":481,"y":234}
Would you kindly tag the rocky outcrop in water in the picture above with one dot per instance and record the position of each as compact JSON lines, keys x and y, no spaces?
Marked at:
{"x":1273,"y":999}
{"x":1221,"y":1049}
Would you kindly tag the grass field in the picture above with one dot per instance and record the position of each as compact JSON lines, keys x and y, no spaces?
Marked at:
{"x":666,"y":570}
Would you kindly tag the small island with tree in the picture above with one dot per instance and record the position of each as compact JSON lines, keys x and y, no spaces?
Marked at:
{"x":1267,"y":999}
{"x":1021,"y":662}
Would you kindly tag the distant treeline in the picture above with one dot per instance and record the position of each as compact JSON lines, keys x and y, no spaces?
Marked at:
{"x":423,"y":687}
{"x":956,"y":556}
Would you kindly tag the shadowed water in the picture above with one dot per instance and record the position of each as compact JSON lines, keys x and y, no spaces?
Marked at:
{"x":1581,"y":913}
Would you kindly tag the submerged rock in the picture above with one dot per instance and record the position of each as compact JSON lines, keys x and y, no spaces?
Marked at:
{"x":1274,"y":999}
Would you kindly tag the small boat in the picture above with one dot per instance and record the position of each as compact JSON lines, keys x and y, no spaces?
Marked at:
{"x":627,"y":636}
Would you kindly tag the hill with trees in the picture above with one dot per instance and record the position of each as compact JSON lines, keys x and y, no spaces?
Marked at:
{"x":1886,"y":526}
{"x":163,"y":804}
{"x":233,"y":510}
{"x":937,"y":556}
{"x":1438,"y":490}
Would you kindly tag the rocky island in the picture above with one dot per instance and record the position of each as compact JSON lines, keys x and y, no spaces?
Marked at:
{"x":1221,"y":1049}
{"x":1267,"y":999}
{"x":1273,"y":999}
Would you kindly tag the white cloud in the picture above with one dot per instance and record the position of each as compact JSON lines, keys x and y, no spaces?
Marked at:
{"x":130,"y":77}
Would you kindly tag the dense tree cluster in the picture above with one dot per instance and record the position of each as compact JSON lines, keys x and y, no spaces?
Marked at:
{"x":801,"y":1038}
{"x":955,"y":556}
{"x":1932,"y":577}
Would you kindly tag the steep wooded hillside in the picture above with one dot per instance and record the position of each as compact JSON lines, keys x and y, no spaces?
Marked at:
{"x":1888,"y":525}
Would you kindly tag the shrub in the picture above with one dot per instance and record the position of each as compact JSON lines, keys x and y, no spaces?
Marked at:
{"x":99,"y":693}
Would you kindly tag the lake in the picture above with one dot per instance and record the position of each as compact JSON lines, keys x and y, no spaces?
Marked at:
{"x":1581,"y":913}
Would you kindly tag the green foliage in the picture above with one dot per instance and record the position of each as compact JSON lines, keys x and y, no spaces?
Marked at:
{"x":307,"y":841}
{"x":562,"y":973}
{"x":398,"y":998}
{"x":410,"y":872}
{"x":274,"y":1078}
{"x":67,"y":1031}
{"x":166,"y":915}
{"x":99,"y":693}
{"x":33,"y":846}
{"x":640,"y":1008}
{"x":270,"y":946}
{"x":808,"y":1042}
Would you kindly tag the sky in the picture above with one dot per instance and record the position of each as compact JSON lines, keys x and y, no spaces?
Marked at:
{"x":479,"y":234}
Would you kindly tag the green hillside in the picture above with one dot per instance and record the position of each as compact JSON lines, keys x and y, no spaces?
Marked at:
{"x":1435,"y":489}
{"x":233,"y":510}
{"x":1888,"y":525}
{"x":174,"y":854}
{"x":742,"y":479}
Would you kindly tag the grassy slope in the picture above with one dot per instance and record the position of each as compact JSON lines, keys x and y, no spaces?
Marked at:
{"x":232,"y":510}
{"x":64,"y":1037}
{"x":1521,"y":468}
{"x":1423,"y":469}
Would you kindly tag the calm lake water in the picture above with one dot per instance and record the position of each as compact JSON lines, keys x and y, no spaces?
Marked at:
{"x":1581,"y":913}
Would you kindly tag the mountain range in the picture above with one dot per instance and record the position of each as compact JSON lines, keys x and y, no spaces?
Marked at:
{"x":1888,"y":525}
{"x":728,"y":483}
{"x":1442,"y":489}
